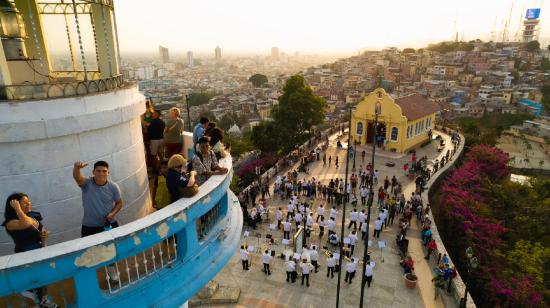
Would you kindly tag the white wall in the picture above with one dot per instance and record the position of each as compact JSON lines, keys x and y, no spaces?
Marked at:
{"x":40,"y":140}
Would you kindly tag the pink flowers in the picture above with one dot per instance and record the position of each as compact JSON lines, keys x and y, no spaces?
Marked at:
{"x":468,"y":219}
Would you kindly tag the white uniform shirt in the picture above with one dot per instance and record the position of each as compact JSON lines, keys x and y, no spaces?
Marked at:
{"x":301,"y":208}
{"x":378,"y":224}
{"x":330,"y":224}
{"x":309,"y":221}
{"x":351,"y":266}
{"x":266,"y":258}
{"x":298,"y":217}
{"x":290,"y":266}
{"x":306,"y":267}
{"x":364,"y":228}
{"x":361,"y":217}
{"x":279,"y":215}
{"x":320,"y":211}
{"x":369,"y":268}
{"x":353,"y":216}
{"x":314,"y":255}
{"x":331,"y":262}
{"x":244,"y":255}
{"x":290,"y":207}
{"x":353,"y":239}
{"x":287,"y":226}
{"x":364,"y":192}
{"x":333,"y":213}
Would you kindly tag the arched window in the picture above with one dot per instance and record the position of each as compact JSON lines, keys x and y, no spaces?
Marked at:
{"x":394,"y":134}
{"x":359,"y":128}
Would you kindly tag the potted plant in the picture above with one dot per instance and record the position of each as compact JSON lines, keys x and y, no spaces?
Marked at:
{"x":410,"y":280}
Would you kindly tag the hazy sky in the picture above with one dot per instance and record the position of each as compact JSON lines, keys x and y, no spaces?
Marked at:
{"x":311,"y":25}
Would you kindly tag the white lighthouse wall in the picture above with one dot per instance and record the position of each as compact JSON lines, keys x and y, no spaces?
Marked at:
{"x":40,"y":141}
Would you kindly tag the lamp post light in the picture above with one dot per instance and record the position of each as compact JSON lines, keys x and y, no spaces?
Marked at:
{"x":377,"y":112}
{"x":472,"y":264}
{"x":346,"y":200}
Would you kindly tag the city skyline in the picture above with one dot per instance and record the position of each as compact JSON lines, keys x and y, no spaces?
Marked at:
{"x":325,"y":29}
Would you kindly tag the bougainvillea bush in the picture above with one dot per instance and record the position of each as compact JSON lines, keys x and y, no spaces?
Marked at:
{"x":505,"y":223}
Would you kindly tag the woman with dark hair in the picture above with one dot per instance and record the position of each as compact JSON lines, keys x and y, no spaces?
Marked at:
{"x":216,"y":135}
{"x":25,"y":228}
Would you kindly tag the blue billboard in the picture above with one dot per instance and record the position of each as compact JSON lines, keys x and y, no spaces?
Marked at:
{"x":532,"y":13}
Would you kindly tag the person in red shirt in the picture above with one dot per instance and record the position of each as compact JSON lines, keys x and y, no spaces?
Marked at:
{"x":431,"y":247}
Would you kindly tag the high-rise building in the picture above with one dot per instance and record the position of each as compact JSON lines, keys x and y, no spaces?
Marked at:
{"x":190,"y":59}
{"x":275,"y":53}
{"x":531,"y":25}
{"x":218,"y":53}
{"x":163,"y":55}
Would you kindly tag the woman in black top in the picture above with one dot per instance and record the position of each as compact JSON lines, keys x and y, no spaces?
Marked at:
{"x":27,"y":232}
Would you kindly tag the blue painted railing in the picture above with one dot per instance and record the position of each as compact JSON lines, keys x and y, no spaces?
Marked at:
{"x":160,"y":258}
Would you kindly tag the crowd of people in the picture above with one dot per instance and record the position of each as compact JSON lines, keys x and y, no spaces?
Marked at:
{"x":315,"y":205}
{"x":173,"y":176}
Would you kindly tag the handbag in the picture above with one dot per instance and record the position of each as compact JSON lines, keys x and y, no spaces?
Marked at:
{"x":189,"y":191}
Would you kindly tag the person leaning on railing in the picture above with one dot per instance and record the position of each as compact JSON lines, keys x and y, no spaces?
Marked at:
{"x":205,"y":161}
{"x":179,"y":179}
{"x":25,"y":228}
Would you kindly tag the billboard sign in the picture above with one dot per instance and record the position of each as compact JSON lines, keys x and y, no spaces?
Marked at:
{"x":532,"y":14}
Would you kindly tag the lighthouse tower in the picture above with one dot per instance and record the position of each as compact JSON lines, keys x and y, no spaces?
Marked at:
{"x":63,"y":99}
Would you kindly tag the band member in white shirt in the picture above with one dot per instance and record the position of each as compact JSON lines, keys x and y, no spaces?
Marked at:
{"x":266,"y":259}
{"x":306,"y":269}
{"x":369,"y":271}
{"x":351,"y":266}
{"x":244,"y":258}
{"x":331,"y":263}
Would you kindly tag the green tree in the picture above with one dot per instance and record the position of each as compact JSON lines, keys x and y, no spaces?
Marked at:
{"x":238,"y":145}
{"x":258,"y":80}
{"x":298,"y":110}
{"x":545,"y":64}
{"x":546,"y":97}
{"x":266,"y":137}
{"x":200,"y":98}
{"x":532,"y":46}
{"x":408,"y":50}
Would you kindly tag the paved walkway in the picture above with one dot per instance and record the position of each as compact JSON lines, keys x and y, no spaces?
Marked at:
{"x":387,"y":289}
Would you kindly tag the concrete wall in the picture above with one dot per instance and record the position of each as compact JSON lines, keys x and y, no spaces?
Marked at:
{"x":458,"y":287}
{"x":41,"y":139}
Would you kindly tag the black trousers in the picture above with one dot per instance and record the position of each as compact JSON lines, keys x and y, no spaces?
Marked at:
{"x":315,"y":264}
{"x":245,"y":265}
{"x":87,"y":230}
{"x":368,"y":280}
{"x":286,"y":235}
{"x":330,"y":270}
{"x":349,"y":276}
{"x":289,"y":277}
{"x":306,"y":276}
{"x":352,"y":248}
{"x":377,"y":233}
{"x":266,"y":269}
{"x":354,"y":223}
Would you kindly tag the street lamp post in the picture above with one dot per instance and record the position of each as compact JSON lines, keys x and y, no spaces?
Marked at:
{"x":472,"y":264}
{"x":377,"y":112}
{"x":343,"y":216}
{"x":188,"y":113}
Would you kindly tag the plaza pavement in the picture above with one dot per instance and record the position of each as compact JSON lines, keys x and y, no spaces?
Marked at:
{"x":387,"y":288}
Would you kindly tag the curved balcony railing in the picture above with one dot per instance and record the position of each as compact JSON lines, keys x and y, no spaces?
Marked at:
{"x":62,"y":87}
{"x":162,"y":259}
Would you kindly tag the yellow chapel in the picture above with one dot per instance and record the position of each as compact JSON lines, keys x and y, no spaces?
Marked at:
{"x":403,"y":123}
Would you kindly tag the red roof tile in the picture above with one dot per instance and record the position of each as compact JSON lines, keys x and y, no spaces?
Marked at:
{"x":416,"y":106}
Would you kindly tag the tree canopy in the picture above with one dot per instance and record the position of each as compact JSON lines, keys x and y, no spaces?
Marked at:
{"x":506,"y":224}
{"x":444,"y":47}
{"x":298,"y":110}
{"x":258,"y":80}
{"x":200,"y":98}
{"x":532,"y":46}
{"x":408,"y":50}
